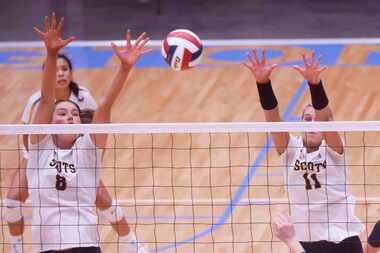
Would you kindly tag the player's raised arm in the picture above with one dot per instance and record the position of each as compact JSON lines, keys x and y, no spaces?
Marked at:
{"x":53,"y":43}
{"x":311,"y":72}
{"x":262,"y":71}
{"x":128,"y":57}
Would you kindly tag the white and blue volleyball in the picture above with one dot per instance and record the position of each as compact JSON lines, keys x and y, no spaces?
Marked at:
{"x":182,"y":49}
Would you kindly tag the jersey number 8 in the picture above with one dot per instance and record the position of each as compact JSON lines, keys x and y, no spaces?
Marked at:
{"x":60,"y":184}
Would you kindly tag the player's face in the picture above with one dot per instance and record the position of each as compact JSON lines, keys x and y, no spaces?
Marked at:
{"x":66,"y":113}
{"x":64,"y":74}
{"x":311,"y":139}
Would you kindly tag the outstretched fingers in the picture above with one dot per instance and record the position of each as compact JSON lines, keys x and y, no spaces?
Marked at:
{"x":147,"y":50}
{"x":143,"y":43}
{"x":285,"y":219}
{"x":273,"y":66}
{"x":321,"y":69}
{"x":250,"y":58}
{"x":47,"y":24}
{"x":305,"y":63}
{"x":252,"y":62}
{"x":139,"y":40}
{"x":68,"y":41}
{"x":263,"y":56}
{"x":254,"y":53}
{"x":39,"y":32}
{"x":60,"y":24}
{"x":312,"y":57}
{"x":253,"y":58}
{"x":299,"y":69}
{"x":116,"y":49}
{"x":129,"y":38}
{"x":248,"y":66}
{"x":53,"y":21}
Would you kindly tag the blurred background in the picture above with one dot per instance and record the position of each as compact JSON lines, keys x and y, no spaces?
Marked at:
{"x":220,"y":89}
{"x":253,"y":19}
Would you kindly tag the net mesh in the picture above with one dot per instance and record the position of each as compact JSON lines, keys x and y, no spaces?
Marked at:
{"x":202,"y":187}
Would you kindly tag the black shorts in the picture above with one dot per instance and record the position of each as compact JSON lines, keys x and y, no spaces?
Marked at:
{"x":76,"y":250}
{"x":374,"y":237}
{"x":348,"y":245}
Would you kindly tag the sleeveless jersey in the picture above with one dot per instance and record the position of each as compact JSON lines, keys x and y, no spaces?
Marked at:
{"x":62,"y":185}
{"x":321,"y":205}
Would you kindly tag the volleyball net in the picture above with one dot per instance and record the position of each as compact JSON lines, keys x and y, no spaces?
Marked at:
{"x":202,"y":187}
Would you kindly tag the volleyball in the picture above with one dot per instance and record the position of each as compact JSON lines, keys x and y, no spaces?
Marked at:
{"x":182,"y":49}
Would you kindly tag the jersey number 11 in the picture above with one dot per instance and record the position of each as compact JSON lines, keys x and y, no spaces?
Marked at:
{"x":311,"y":177}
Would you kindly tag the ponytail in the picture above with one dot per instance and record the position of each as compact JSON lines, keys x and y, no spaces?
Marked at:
{"x":74,"y":88}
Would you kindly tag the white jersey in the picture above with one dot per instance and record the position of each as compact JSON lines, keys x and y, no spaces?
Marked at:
{"x":84,"y":101}
{"x":62,"y":185}
{"x":321,"y":205}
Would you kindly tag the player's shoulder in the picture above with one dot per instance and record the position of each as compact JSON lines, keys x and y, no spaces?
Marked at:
{"x":85,"y":92}
{"x":83,"y":89}
{"x":34,"y":98}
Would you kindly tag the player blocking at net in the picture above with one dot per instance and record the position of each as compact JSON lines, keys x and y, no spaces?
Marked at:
{"x":108,"y":208}
{"x":63,"y":200}
{"x":315,"y":170}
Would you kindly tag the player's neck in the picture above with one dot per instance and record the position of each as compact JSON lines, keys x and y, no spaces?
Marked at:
{"x":310,"y":148}
{"x":63,"y":143}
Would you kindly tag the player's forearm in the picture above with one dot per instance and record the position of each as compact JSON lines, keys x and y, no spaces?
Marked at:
{"x":103,"y":111}
{"x":323,"y":113}
{"x":268,"y":99}
{"x":320,"y":102}
{"x":269,"y":104}
{"x":49,"y":79}
{"x":45,"y":109}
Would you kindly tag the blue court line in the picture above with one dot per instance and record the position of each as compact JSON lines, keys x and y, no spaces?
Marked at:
{"x":245,"y":182}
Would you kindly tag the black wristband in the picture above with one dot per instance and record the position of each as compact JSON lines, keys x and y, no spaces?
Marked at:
{"x":267,"y":98}
{"x":319,"y":98}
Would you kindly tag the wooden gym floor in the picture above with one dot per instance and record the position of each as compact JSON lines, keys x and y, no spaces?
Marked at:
{"x":177,"y":197}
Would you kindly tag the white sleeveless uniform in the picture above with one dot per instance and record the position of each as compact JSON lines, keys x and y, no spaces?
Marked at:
{"x":321,"y":205}
{"x":84,"y":101}
{"x":62,"y":185}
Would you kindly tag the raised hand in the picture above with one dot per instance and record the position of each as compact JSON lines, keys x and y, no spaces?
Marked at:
{"x":311,"y":71}
{"x":129,"y":55}
{"x":52,"y":35}
{"x":259,"y":69}
{"x":283,"y":228}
